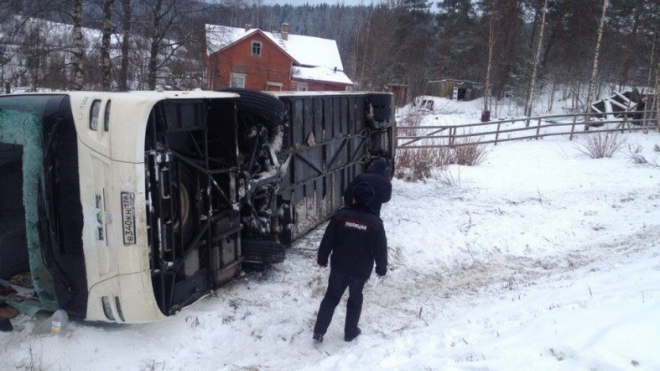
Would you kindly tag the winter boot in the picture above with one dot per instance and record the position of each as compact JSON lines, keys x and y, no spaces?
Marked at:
{"x":350,"y":338}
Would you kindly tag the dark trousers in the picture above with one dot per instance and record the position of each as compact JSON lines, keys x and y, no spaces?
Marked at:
{"x":337,"y":284}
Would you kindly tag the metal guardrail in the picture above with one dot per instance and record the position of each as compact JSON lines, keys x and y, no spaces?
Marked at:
{"x":581,"y":123}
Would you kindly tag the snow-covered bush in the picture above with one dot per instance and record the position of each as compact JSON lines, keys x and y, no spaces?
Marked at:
{"x":416,"y":164}
{"x":636,"y":158}
{"x":601,"y":145}
{"x":448,"y":179}
{"x":468,"y":152}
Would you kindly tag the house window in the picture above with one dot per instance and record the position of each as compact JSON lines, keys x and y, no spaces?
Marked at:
{"x":299,"y":86}
{"x":274,"y":86}
{"x":256,"y":48}
{"x":237,"y":80}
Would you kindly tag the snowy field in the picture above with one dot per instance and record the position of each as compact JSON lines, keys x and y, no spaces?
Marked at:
{"x":538,"y":259}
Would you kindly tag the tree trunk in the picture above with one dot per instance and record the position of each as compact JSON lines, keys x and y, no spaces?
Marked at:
{"x":491,"y":44}
{"x":633,"y":39}
{"x":594,"y":71}
{"x":552,"y":95}
{"x":532,"y":83}
{"x":125,"y":44}
{"x":78,"y":47}
{"x":648,"y":80}
{"x":105,"y":44}
{"x":656,"y":97}
{"x":366,"y":49}
{"x":508,"y":25}
{"x":555,"y":30}
{"x":443,"y":55}
{"x":535,"y":25}
{"x":155,"y":42}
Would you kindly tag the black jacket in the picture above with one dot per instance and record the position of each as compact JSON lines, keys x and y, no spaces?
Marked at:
{"x":356,"y":238}
{"x":377,"y":176}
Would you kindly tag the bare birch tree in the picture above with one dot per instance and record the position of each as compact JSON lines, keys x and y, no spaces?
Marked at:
{"x":105,"y":44}
{"x":157,"y":37}
{"x":594,"y":71}
{"x":171,"y":30}
{"x":126,"y":22}
{"x":537,"y":57}
{"x":5,"y":55}
{"x":78,"y":46}
{"x":648,"y":104}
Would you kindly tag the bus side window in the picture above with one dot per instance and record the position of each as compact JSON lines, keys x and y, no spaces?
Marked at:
{"x":106,"y":117}
{"x":94,"y":115}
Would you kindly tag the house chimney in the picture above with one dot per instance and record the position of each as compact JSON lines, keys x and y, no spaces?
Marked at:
{"x":248,"y":27}
{"x":285,"y":31}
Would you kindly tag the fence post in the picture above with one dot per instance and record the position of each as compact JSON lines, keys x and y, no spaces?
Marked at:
{"x":452,"y":136}
{"x":655,"y":106}
{"x":538,"y":129}
{"x":497,"y":133}
{"x":573,"y":127}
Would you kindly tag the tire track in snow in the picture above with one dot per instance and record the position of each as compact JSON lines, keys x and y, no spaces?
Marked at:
{"x":408,"y":299}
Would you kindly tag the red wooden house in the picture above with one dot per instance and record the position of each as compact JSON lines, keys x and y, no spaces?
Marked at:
{"x":259,"y":60}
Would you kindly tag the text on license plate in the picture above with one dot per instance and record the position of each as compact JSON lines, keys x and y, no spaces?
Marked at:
{"x":128,"y":217}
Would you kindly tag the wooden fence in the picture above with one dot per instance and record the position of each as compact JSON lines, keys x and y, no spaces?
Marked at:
{"x":493,"y":132}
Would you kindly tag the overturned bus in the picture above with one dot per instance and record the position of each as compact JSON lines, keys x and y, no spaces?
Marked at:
{"x":126,"y":207}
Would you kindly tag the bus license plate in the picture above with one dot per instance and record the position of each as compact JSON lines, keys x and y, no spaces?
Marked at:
{"x":128,"y":217}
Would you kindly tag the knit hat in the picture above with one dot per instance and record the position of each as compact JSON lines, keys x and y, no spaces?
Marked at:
{"x":379,"y":166}
{"x":363,"y":193}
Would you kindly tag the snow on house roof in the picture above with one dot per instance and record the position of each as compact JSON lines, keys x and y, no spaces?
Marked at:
{"x":314,"y":51}
{"x":307,"y":50}
{"x":320,"y":74}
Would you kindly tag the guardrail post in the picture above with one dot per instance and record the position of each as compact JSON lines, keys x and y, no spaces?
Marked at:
{"x":497,"y":133}
{"x":538,"y":129}
{"x":573,"y":127}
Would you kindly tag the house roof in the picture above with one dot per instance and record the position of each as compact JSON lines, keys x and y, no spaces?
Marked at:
{"x":308,"y":51}
{"x":320,"y":74}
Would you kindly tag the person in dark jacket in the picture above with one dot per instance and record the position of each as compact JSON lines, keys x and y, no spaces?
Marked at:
{"x":378,"y":176}
{"x":356,"y":239}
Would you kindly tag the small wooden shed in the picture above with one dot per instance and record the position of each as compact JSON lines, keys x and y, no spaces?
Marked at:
{"x":455,"y":89}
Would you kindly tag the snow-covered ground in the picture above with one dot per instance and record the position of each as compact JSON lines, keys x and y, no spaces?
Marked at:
{"x":443,"y":119}
{"x":540,"y":258}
